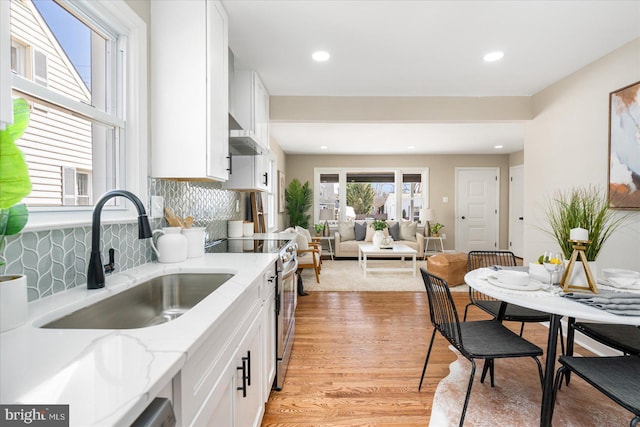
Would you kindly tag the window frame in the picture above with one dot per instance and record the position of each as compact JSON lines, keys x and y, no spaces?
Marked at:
{"x":342,"y":181}
{"x":132,"y":109}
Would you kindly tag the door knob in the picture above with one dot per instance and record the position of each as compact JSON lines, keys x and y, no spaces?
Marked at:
{"x":464,"y":217}
{"x":521,"y":218}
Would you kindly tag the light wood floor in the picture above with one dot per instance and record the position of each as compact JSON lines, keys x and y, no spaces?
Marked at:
{"x":357,"y":359}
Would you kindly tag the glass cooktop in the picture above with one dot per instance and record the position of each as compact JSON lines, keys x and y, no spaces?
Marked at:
{"x":246,"y":245}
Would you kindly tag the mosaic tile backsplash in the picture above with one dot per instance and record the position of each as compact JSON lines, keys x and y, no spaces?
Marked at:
{"x":56,"y":260}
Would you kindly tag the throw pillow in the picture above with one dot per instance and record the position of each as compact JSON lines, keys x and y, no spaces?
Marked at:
{"x":304,"y":232}
{"x":303,"y":243}
{"x":360,"y":230}
{"x":346,"y":231}
{"x":408,"y":230}
{"x":394,"y":230}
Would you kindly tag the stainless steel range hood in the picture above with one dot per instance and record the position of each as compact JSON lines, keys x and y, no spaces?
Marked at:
{"x":243,"y":143}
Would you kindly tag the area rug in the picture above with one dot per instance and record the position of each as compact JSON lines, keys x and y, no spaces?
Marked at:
{"x":515,"y":399}
{"x":346,"y":275}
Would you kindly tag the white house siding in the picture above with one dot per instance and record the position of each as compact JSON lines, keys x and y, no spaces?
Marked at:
{"x":54,"y":138}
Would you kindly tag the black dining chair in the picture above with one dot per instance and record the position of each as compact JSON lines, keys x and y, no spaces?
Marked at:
{"x":484,"y":339}
{"x":625,"y":338}
{"x":617,"y":377}
{"x":513,"y":313}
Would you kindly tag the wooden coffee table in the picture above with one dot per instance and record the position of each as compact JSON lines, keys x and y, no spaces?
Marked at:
{"x":397,"y":250}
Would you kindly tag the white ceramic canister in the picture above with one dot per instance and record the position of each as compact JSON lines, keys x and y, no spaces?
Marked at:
{"x":171,"y":246}
{"x":195,"y":241}
{"x":234,"y":228}
{"x":247,"y":229}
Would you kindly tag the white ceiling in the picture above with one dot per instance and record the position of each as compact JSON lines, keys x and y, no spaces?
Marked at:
{"x":419,"y":48}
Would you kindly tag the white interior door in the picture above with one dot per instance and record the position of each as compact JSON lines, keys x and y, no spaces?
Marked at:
{"x":477,"y":195}
{"x":516,"y":210}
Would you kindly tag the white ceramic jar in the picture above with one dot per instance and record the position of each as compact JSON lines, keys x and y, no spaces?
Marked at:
{"x":195,"y":241}
{"x":171,"y":245}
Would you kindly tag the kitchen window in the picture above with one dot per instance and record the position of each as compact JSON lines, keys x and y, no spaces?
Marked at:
{"x":82,"y":67}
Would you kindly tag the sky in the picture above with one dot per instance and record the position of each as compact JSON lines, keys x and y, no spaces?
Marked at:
{"x":73,"y":36}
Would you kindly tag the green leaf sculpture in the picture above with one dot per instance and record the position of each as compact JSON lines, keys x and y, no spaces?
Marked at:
{"x":15,"y":184}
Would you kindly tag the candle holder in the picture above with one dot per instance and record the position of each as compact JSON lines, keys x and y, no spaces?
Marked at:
{"x":578,"y":252}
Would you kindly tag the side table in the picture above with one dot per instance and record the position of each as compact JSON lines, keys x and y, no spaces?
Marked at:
{"x":428,"y":239}
{"x":328,"y":239}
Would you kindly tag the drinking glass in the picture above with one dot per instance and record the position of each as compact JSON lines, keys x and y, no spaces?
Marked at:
{"x":553,"y":262}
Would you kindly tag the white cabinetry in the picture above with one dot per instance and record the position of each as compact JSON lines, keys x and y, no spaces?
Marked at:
{"x":251,"y":105}
{"x":250,"y":173}
{"x":223,"y":381}
{"x":189,"y":90}
{"x":269,"y":333}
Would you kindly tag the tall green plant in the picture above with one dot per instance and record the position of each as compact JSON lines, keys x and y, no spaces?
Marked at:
{"x":14,"y":175}
{"x":298,"y":198}
{"x":583,"y":207}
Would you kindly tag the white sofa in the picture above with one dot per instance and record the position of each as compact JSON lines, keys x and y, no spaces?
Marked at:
{"x":346,"y":246}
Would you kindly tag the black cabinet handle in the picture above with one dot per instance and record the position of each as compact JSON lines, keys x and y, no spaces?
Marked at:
{"x":243,"y":368}
{"x":230,"y":168}
{"x":266,"y":178}
{"x":248,"y":367}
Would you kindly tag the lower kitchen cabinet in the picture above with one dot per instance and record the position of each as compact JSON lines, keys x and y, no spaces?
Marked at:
{"x":227,"y":380}
{"x":236,"y":400}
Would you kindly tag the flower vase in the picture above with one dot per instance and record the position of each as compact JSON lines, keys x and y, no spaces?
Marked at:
{"x":13,"y":301}
{"x":378,"y":237}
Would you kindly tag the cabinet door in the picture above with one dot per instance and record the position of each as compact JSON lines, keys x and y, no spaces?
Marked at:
{"x":189,"y":90}
{"x":269,"y":343}
{"x":217,"y":410}
{"x":261,"y":111}
{"x":218,"y":92}
{"x":249,"y":404}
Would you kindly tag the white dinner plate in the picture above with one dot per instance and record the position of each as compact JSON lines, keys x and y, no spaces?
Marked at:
{"x":532,"y":285}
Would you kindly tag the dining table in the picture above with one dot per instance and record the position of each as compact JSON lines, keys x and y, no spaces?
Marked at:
{"x":546,"y":298}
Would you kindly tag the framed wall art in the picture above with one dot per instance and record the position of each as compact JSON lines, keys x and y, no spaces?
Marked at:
{"x":624,"y":147}
{"x":280,"y":192}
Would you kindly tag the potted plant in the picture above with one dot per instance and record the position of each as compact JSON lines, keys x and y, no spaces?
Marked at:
{"x":14,"y":186}
{"x":298,"y":198}
{"x":378,"y":236}
{"x":319,"y":229}
{"x":581,"y":207}
{"x":435,"y":229}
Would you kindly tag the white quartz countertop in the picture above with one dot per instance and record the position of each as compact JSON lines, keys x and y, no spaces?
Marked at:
{"x":109,"y":376}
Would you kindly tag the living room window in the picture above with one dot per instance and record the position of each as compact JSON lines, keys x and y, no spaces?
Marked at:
{"x":363,"y":193}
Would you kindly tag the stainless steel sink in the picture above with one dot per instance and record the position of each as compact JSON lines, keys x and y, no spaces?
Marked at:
{"x":153,"y":302}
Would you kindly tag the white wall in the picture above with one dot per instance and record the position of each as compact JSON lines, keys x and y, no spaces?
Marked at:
{"x":566,"y":145}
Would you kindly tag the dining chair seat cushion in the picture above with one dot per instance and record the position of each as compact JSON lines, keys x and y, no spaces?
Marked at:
{"x":514,"y":313}
{"x":490,"y":339}
{"x":616,"y":376}
{"x":625,"y":338}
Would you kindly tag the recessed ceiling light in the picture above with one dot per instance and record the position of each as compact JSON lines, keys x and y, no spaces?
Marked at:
{"x":323,"y":147}
{"x":320,"y":56}
{"x":493,"y":56}
{"x":497,"y":146}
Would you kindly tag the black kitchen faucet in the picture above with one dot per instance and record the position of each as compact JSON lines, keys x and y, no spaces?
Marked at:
{"x":95,"y":273}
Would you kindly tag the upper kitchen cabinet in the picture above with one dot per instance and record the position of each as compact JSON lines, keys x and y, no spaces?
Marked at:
{"x":189,"y":90}
{"x":250,"y":109}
